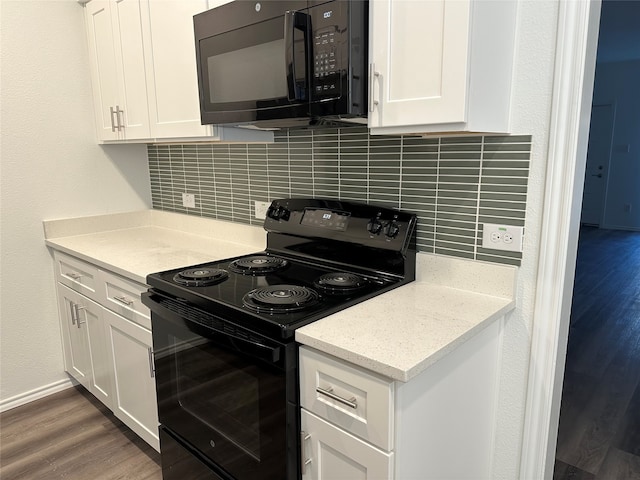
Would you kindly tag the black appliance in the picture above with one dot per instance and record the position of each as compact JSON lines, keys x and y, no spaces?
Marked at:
{"x":282,"y":63}
{"x":223,"y":333}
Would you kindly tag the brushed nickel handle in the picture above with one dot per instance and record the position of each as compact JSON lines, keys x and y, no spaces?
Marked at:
{"x":120,"y":118}
{"x":113,"y":124}
{"x":152,"y":370}
{"x":73,"y":313}
{"x":352,"y":402}
{"x":372,"y":76}
{"x":75,"y":276}
{"x":304,"y":436}
{"x":77,"y":309}
{"x":123,"y":299}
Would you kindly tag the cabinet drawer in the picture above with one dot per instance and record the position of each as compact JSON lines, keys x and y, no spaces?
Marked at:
{"x":330,"y":453}
{"x":77,"y":274}
{"x":352,"y":398}
{"x":123,"y":297}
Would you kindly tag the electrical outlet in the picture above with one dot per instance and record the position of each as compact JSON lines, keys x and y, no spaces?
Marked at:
{"x":502,"y":237}
{"x":188,"y":200}
{"x":261,"y":209}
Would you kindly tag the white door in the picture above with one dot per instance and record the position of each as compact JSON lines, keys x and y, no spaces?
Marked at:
{"x":77,"y":358}
{"x":420,"y":51}
{"x":133,"y":377}
{"x":598,"y":158}
{"x":133,"y":113}
{"x":330,"y":453}
{"x":103,"y":67}
{"x":171,"y":65}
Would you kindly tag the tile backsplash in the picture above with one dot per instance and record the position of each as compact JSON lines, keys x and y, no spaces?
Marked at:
{"x":453,"y":184}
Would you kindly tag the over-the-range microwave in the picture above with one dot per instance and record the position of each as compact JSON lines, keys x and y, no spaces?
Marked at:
{"x":283,"y":63}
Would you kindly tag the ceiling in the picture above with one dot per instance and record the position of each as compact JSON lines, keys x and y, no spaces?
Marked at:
{"x":619,"y":37}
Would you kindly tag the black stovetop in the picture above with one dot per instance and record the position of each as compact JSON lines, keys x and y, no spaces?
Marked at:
{"x":377,"y":262}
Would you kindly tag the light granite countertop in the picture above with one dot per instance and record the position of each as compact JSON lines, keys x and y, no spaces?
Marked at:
{"x":397,"y":334}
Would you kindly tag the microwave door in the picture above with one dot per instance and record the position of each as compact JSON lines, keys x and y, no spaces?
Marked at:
{"x":297,"y":39}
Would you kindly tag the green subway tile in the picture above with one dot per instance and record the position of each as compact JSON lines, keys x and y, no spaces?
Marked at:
{"x":470,"y":172}
{"x":505,"y":156}
{"x":507,"y":139}
{"x":503,"y":205}
{"x":467,"y":242}
{"x":460,"y":156}
{"x":453,"y":253}
{"x":466,"y":150}
{"x":507,"y":147}
{"x":486,"y":218}
{"x":497,"y":172}
{"x":492,"y":180}
{"x":508,"y":197}
{"x":460,"y":140}
{"x":457,"y":222}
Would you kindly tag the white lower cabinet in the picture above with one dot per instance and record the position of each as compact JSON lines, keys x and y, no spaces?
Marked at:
{"x":106,"y":334}
{"x":357,"y":424}
{"x":334,"y":454}
{"x":86,"y":354}
{"x":134,"y":385}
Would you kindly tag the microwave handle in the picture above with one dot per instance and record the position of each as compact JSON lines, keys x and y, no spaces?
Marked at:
{"x":301,"y":21}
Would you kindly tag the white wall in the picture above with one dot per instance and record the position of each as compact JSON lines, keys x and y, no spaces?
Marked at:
{"x":51,"y":167}
{"x":531,"y":109}
{"x":617,"y":83}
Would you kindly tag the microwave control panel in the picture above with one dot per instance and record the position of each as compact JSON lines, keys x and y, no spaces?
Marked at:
{"x":326,"y":78}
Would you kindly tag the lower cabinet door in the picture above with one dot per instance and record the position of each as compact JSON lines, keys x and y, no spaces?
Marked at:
{"x":77,"y":357}
{"x":133,"y":376}
{"x":330,"y":453}
{"x":86,"y":350}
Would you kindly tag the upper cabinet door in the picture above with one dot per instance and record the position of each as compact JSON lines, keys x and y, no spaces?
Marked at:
{"x":419,"y":56}
{"x":171,"y":67}
{"x":440,"y":65}
{"x":103,"y":67}
{"x":133,"y":116}
{"x":117,"y":69}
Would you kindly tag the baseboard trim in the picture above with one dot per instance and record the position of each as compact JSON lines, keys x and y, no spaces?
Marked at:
{"x":35,"y":394}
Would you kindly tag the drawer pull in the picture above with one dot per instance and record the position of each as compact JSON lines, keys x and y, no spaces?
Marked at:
{"x":75,"y":276}
{"x":124,"y":300}
{"x":329,"y":393}
{"x":152,"y":370}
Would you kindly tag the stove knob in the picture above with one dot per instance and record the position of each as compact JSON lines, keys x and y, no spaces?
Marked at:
{"x":392,"y":229}
{"x":374,"y":226}
{"x":275,"y":212}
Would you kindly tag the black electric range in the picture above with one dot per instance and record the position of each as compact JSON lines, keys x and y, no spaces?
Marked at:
{"x":223,"y":332}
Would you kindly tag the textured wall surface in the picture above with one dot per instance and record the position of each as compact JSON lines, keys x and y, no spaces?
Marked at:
{"x":51,"y":168}
{"x":453,"y":184}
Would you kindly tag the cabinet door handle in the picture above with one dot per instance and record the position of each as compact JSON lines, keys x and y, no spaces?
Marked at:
{"x":75,"y":276}
{"x":152,"y":370}
{"x":119,"y":117}
{"x":113,"y":124}
{"x":304,"y":436}
{"x":123,"y":299}
{"x":372,"y":82}
{"x":77,"y":309}
{"x":73,"y":313}
{"x":352,"y":402}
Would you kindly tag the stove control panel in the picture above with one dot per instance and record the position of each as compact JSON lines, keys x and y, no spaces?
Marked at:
{"x":356,"y":223}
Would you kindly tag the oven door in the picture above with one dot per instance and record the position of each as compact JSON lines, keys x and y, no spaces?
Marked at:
{"x":223,"y":392}
{"x":253,"y":62}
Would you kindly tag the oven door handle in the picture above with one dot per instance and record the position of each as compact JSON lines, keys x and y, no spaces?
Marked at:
{"x":247,"y":346}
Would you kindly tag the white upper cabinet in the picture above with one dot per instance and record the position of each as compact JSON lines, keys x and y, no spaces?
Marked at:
{"x":143,"y":69}
{"x":117,"y":69}
{"x":440,"y":65}
{"x":171,"y":67}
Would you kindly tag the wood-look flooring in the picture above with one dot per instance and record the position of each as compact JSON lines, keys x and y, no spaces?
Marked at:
{"x":599,"y":432}
{"x":70,"y":435}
